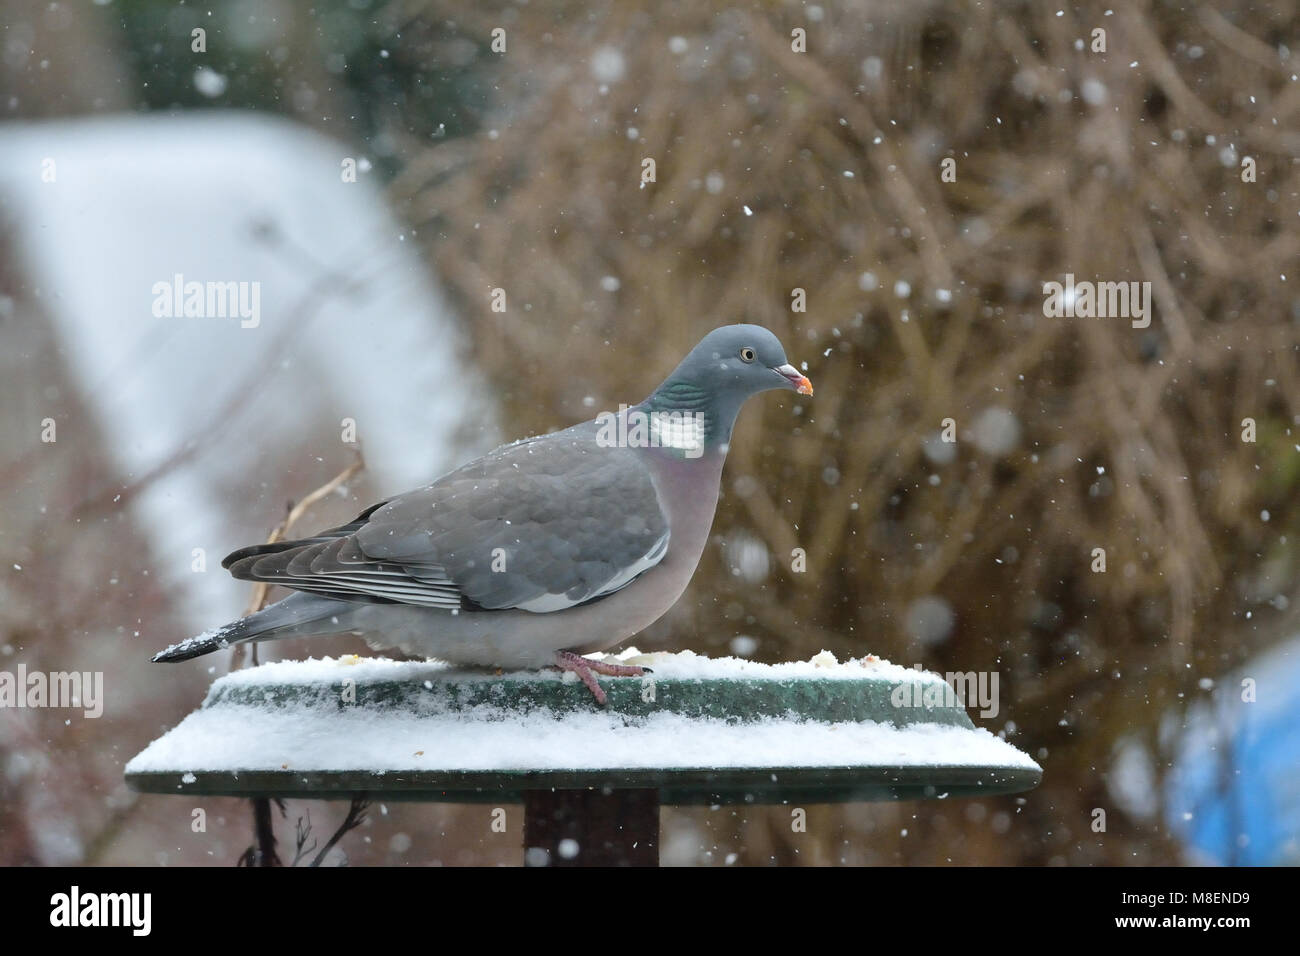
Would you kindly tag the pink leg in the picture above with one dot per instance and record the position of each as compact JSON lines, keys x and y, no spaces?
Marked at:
{"x":586,"y":669}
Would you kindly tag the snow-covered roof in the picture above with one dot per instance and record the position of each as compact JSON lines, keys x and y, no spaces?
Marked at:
{"x":350,"y":322}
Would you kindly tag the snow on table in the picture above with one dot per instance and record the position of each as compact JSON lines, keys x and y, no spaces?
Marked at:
{"x":679,"y":664}
{"x":379,"y":716}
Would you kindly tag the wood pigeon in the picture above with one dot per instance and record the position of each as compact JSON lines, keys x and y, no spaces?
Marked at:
{"x":540,"y":551}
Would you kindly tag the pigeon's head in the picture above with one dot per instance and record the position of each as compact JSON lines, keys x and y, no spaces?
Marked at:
{"x":741,"y":360}
{"x":728,"y":366}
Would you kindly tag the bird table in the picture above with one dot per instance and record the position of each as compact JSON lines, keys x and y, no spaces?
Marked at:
{"x":591,"y":779}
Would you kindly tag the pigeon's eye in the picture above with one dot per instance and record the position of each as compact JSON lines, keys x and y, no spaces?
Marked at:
{"x":747,"y":354}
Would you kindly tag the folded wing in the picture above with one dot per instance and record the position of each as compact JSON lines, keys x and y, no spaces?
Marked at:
{"x":541,"y":525}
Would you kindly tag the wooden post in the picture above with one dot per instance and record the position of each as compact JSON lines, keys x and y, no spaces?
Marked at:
{"x":591,"y":828}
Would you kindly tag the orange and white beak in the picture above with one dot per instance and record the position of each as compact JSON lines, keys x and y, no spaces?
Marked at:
{"x":798,"y":381}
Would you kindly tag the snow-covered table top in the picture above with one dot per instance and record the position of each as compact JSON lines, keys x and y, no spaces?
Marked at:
{"x":697,"y":729}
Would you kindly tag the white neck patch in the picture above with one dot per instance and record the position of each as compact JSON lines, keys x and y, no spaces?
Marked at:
{"x":680,"y":430}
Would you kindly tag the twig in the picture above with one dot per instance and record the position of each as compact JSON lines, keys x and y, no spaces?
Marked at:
{"x":263,"y":831}
{"x":356,"y":816}
{"x":262,"y":588}
{"x":302,"y":832}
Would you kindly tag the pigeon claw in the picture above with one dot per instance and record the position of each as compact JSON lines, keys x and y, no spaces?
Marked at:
{"x":587,"y":669}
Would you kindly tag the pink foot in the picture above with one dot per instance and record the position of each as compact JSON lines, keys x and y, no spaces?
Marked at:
{"x":586,"y":669}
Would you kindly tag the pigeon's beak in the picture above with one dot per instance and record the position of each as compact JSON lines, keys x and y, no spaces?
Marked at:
{"x":798,"y":381}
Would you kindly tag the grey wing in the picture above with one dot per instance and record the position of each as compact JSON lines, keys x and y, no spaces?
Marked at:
{"x":541,"y":525}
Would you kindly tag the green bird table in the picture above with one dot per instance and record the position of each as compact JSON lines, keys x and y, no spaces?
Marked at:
{"x":591,"y":779}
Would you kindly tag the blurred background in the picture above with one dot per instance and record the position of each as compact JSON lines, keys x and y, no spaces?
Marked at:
{"x":377,"y":169}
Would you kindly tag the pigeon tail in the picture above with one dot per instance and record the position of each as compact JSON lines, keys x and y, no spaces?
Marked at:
{"x":295,"y":616}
